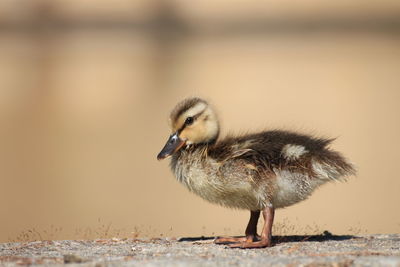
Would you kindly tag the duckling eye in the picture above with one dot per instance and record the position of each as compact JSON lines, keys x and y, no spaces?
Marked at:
{"x":189,"y":120}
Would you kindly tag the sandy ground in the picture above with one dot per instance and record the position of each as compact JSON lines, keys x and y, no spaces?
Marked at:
{"x":317,"y":250}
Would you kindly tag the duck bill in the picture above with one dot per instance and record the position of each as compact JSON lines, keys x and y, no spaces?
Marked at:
{"x":173,"y":144}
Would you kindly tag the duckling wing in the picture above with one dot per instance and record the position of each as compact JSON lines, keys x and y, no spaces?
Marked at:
{"x":267,"y":146}
{"x":271,"y":150}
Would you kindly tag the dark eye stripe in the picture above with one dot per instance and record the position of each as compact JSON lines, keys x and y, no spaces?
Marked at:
{"x":189,"y":120}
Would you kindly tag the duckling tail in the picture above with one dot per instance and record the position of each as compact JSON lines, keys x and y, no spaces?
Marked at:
{"x":332,"y":166}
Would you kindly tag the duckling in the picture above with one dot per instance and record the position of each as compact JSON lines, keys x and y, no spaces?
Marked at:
{"x":259,"y":172}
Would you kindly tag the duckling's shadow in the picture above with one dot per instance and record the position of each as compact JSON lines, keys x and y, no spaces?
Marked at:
{"x":326,"y":236}
{"x":310,"y":238}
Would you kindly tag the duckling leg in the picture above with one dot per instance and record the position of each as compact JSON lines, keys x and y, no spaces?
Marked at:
{"x":268,"y":214}
{"x":251,"y":232}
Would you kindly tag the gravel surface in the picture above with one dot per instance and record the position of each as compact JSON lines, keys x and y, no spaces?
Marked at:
{"x":317,"y":250}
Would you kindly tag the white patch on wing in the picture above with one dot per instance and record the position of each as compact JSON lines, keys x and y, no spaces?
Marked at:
{"x":291,"y":151}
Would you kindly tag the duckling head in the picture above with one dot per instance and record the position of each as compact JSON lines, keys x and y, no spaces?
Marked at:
{"x":192,"y":121}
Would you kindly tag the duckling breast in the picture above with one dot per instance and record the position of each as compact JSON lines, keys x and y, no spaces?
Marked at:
{"x":233,"y":184}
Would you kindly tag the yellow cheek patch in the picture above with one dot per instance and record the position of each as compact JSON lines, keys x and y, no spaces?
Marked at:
{"x":194,"y":133}
{"x":188,"y":134}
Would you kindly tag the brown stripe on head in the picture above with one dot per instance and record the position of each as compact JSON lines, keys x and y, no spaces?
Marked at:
{"x":194,"y":121}
{"x":181,"y":108}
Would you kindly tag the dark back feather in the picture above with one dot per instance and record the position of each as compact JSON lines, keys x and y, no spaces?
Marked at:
{"x":265,"y":149}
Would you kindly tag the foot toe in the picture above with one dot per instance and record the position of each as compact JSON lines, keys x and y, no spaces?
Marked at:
{"x":258,"y":244}
{"x":227,"y":240}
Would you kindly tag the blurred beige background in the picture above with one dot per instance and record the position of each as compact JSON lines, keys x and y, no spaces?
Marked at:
{"x":86,"y":88}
